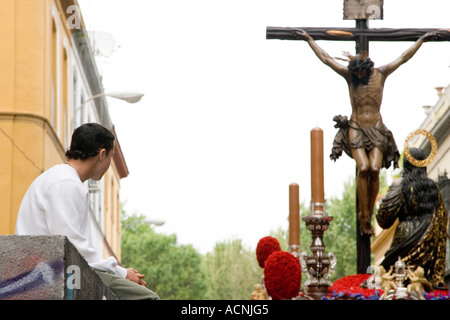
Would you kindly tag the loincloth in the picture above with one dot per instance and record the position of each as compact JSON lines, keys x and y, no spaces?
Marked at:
{"x":367,"y":138}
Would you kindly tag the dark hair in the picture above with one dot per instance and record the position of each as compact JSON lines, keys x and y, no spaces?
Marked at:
{"x":421,"y":192}
{"x":360,"y":64}
{"x":88,"y":139}
{"x":357,"y":65}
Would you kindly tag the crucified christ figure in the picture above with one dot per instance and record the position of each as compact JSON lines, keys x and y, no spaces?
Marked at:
{"x":364,"y":137}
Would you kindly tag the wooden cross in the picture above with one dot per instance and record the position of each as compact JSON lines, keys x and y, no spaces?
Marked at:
{"x":362,"y":35}
{"x":361,"y":11}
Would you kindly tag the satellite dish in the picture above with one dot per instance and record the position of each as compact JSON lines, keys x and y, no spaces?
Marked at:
{"x":103,"y":43}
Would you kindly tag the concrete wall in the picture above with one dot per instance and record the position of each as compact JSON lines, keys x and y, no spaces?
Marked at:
{"x":46,"y":268}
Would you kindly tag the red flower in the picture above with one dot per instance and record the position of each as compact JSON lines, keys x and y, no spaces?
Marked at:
{"x":352,"y":281}
{"x":351,"y":286}
{"x":282,"y":275}
{"x":265,"y":247}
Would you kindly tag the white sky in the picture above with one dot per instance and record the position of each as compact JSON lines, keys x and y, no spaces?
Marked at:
{"x":224,"y":126}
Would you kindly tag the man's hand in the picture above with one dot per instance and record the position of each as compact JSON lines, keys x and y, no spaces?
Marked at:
{"x":435,"y":35}
{"x":135,"y":276}
{"x":304,"y":34}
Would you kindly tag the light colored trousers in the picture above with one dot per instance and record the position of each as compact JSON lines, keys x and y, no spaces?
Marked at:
{"x":125,"y":289}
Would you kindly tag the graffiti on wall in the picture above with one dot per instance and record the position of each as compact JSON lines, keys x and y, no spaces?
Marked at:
{"x":42,"y":275}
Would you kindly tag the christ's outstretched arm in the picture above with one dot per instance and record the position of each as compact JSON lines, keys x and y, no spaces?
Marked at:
{"x":387,"y":69}
{"x":324,"y":56}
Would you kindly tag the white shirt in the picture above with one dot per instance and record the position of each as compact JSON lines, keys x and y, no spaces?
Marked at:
{"x":57,"y":203}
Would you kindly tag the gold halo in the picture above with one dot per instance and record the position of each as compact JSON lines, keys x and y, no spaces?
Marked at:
{"x":427,"y":161}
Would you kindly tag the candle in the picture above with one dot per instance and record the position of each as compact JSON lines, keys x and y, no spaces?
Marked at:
{"x":294,"y":218}
{"x":317,"y":188}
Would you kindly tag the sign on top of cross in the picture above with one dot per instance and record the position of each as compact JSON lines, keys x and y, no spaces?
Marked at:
{"x":362,"y":11}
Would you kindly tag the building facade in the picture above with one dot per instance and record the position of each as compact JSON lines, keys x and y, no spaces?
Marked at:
{"x":48,"y":79}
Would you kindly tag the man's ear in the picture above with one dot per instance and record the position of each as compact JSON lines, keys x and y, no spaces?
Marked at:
{"x":102,"y":154}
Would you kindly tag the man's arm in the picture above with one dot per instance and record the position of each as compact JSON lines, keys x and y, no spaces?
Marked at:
{"x":387,"y":69}
{"x":324,"y":56}
{"x":63,"y":204}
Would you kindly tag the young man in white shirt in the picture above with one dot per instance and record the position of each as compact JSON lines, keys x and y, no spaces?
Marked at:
{"x":57,"y":203}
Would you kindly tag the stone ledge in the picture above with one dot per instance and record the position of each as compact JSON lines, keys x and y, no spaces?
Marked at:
{"x":46,"y":268}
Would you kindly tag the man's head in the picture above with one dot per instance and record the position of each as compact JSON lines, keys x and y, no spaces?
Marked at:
{"x":361,"y":69}
{"x":421,"y":192}
{"x":92,"y":143}
{"x":417,"y":154}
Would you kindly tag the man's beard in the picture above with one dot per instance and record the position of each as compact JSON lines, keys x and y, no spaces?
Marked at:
{"x":356,"y":81}
{"x":360,"y":65}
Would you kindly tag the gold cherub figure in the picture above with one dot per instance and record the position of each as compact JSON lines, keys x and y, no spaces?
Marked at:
{"x":417,"y":281}
{"x":260,"y":293}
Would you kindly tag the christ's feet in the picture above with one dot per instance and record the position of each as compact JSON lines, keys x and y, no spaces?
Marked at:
{"x":365,"y":225}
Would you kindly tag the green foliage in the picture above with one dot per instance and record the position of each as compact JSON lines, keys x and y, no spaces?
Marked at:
{"x":173,"y":271}
{"x":283,"y":235}
{"x":232,"y":271}
{"x":340,"y":238}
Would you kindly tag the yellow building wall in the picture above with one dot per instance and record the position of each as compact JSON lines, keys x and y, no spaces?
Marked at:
{"x":112,"y":211}
{"x":27,"y":139}
{"x":441,"y":162}
{"x":33,"y":138}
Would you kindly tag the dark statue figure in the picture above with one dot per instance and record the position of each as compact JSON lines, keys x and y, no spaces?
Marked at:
{"x":420,"y":236}
{"x":364,"y":137}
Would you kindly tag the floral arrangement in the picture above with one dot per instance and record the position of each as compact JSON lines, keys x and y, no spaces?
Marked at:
{"x":437,"y":295}
{"x":349,"y":287}
{"x":266,"y":246}
{"x":282,"y":275}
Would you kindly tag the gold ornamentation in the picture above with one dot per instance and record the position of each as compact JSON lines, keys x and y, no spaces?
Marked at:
{"x":418,"y":282}
{"x":259,"y":292}
{"x":339,"y":33}
{"x":427,"y":161}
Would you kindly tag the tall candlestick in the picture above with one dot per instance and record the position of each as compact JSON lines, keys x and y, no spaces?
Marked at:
{"x":317,"y":186}
{"x":294,"y":219}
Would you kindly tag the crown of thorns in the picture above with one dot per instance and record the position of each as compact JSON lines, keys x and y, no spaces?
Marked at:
{"x":348,"y":57}
{"x":361,"y":60}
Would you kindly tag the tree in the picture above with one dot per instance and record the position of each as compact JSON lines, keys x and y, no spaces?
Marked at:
{"x":231,"y":271}
{"x":340,"y":238}
{"x":173,"y":271}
